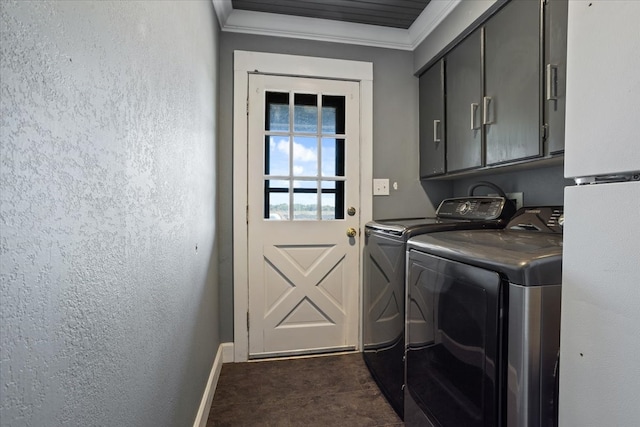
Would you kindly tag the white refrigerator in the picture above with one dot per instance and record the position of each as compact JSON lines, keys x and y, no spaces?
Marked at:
{"x":600,"y":328}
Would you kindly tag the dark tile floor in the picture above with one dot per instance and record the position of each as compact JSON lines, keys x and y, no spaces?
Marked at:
{"x":319,"y":391}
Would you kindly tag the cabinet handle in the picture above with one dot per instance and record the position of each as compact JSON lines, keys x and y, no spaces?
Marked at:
{"x":485,"y":110}
{"x":436,"y":125}
{"x":552,"y":82}
{"x":474,"y":108}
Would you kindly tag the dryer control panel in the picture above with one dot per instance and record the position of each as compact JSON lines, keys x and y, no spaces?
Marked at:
{"x":476,"y":208}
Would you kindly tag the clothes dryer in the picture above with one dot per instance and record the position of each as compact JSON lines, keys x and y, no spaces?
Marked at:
{"x":384,"y":280}
{"x":483,"y":329}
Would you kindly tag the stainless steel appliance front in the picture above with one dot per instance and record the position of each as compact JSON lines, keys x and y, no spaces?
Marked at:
{"x":384,"y":281}
{"x":483,"y":324}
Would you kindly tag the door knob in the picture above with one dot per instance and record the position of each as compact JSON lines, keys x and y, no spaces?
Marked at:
{"x":351,"y":232}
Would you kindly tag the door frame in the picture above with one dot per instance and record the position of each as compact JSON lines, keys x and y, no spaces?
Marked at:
{"x":245,"y":63}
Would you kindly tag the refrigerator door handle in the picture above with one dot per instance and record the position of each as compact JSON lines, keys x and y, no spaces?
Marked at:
{"x":607,"y":179}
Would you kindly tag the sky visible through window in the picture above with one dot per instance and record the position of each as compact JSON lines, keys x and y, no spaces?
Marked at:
{"x":297,"y":153}
{"x":305,"y":156}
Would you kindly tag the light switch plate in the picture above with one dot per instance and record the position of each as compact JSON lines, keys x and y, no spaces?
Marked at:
{"x":381,"y":187}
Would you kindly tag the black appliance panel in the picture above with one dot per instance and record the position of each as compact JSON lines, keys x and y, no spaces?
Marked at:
{"x":384,"y":281}
{"x":545,"y":219}
{"x":384,"y":314}
{"x":453,"y":341}
{"x":477,"y":207}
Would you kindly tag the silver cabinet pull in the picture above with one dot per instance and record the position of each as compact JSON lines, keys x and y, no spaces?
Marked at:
{"x":485,"y":110}
{"x":552,"y":82}
{"x":436,"y":125}
{"x":474,"y":108}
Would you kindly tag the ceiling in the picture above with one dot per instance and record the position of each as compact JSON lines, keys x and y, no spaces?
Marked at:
{"x":386,"y":13}
{"x":392,"y":24}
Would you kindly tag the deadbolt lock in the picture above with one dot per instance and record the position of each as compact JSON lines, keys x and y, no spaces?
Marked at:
{"x":351,"y":232}
{"x":351,"y":211}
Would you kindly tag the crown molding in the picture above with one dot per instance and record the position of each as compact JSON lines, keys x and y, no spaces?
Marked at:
{"x":269,"y":24}
{"x":223,"y":9}
{"x":429,"y":19}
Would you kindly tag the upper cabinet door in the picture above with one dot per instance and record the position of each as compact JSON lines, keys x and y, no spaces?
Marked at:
{"x":511,"y":106}
{"x":464,"y":108}
{"x":432,"y":121}
{"x":554,"y":95}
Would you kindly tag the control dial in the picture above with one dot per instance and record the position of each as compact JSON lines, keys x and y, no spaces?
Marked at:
{"x":465,"y":208}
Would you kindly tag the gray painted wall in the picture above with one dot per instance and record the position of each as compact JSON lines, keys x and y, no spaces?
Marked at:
{"x":540,"y":186}
{"x":395,"y":140}
{"x":108,"y":263}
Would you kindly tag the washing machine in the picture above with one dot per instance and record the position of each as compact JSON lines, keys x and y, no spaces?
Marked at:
{"x":483,"y":324}
{"x":384,"y":279}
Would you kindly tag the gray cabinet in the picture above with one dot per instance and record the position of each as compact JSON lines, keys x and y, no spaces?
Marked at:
{"x":511,"y":103}
{"x":556,"y":12}
{"x":504,"y":92}
{"x":500,"y":121}
{"x":464,"y":98}
{"x":432,"y":121}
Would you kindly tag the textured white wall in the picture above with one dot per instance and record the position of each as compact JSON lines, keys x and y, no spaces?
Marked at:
{"x":109,"y":298}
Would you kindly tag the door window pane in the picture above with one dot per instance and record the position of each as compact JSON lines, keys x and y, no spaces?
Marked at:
{"x":277,"y":155}
{"x":305,"y":200}
{"x":328,"y":206}
{"x":340,"y":161}
{"x":328,"y":185}
{"x":328,"y":157}
{"x":332,"y":157}
{"x":333,"y":115}
{"x":305,"y":156}
{"x":332,"y":199}
{"x":277,"y":112}
{"x":277,"y":199}
{"x":305,"y":113}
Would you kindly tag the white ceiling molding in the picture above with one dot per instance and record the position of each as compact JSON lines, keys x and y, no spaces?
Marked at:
{"x":269,"y":24}
{"x":429,"y":19}
{"x":298,"y":27}
{"x":223,"y":10}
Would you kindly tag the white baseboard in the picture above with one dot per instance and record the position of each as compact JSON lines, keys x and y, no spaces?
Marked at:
{"x":222,"y":356}
{"x":227,"y":352}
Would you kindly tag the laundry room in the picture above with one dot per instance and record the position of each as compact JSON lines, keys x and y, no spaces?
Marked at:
{"x":309,"y":212}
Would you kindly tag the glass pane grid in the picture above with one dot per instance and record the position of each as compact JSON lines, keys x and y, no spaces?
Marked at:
{"x":304,"y":162}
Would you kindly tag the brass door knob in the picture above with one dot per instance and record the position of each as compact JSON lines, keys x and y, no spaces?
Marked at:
{"x":351,"y":232}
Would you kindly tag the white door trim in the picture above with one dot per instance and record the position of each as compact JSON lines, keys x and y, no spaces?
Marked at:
{"x":301,"y":66}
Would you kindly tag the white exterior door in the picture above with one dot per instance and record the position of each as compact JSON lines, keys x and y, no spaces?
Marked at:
{"x":303,"y":197}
